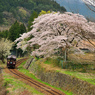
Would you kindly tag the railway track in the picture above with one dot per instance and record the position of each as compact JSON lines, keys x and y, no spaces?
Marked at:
{"x":39,"y":86}
{"x":20,"y":61}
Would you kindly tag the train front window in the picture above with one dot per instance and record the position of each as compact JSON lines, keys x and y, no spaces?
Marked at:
{"x":11,"y":59}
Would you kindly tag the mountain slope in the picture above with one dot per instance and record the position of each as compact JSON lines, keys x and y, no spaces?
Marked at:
{"x":10,"y":10}
{"x":77,"y":6}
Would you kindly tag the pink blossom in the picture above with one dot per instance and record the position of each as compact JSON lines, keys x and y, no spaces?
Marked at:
{"x":55,"y":30}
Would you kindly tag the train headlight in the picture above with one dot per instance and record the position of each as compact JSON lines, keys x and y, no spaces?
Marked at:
{"x":14,"y":63}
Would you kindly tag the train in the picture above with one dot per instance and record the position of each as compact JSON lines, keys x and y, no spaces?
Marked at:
{"x":11,"y":61}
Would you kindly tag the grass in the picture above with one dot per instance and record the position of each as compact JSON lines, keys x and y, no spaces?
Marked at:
{"x":47,"y":62}
{"x":80,"y":66}
{"x":78,"y":70}
{"x":88,"y":77}
{"x":26,"y":72}
{"x":2,"y":88}
{"x":15,"y":86}
{"x":87,"y":58}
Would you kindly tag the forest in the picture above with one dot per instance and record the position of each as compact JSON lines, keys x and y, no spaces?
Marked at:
{"x":11,"y":10}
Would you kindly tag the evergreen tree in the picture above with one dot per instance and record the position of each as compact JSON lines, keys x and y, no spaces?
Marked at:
{"x":22,"y":28}
{"x":1,"y":18}
{"x":15,"y":30}
{"x":32,"y":17}
{"x":4,"y":34}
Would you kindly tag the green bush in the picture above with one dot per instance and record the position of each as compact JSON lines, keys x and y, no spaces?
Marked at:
{"x":71,"y":65}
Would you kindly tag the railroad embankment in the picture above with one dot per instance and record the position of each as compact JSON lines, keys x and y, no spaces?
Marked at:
{"x":63,"y":81}
{"x":2,"y":88}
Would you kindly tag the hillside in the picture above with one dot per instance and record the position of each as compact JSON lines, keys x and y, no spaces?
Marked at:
{"x":11,"y":10}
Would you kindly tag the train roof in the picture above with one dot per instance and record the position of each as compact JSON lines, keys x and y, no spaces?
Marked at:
{"x":12,"y":56}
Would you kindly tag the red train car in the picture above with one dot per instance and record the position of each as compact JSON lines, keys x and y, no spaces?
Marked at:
{"x":11,"y":61}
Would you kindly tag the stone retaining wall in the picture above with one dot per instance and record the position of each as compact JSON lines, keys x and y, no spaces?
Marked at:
{"x":63,"y":81}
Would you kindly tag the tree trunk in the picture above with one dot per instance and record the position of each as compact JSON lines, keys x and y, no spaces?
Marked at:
{"x":66,"y":55}
{"x":3,"y":60}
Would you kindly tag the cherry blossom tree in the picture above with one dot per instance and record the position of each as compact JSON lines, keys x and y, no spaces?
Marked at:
{"x":5,"y":47}
{"x":54,"y":31}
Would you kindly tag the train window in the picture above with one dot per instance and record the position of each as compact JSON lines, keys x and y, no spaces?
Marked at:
{"x":11,"y":59}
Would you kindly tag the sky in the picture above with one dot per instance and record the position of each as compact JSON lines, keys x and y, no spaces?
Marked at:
{"x":77,"y":6}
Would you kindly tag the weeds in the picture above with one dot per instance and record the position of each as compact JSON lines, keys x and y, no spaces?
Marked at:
{"x":2,"y":88}
{"x":26,"y":72}
{"x":15,"y":86}
{"x":76,"y":62}
{"x":90,"y":78}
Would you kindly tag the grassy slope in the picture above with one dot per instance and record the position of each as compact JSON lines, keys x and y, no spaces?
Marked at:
{"x":15,"y":86}
{"x":88,"y":77}
{"x":84,"y":76}
{"x":26,"y":72}
{"x":2,"y":88}
{"x":82,"y":71}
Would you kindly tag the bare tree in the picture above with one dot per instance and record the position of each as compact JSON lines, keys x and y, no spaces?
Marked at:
{"x":90,"y":4}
